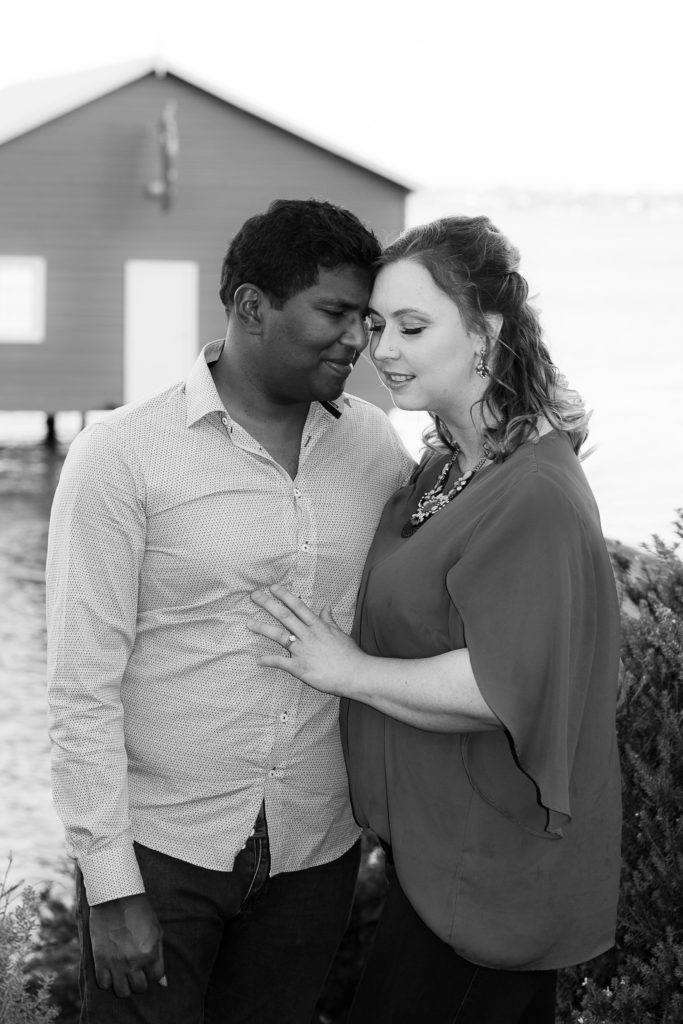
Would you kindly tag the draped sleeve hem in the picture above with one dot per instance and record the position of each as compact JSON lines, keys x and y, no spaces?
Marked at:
{"x":524,"y":592}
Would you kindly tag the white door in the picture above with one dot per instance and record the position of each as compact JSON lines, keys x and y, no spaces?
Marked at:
{"x":161,"y":313}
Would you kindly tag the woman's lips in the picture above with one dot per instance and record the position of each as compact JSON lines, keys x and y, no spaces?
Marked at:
{"x":394,"y":381}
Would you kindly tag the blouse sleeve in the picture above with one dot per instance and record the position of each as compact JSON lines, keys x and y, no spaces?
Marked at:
{"x":526,"y":593}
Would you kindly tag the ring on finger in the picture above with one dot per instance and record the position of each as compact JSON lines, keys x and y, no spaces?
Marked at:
{"x":288,"y":642}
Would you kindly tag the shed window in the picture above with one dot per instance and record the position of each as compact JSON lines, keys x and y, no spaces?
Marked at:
{"x":22,"y":299}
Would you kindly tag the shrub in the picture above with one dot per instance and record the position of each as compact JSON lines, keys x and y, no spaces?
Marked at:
{"x":641,"y":980}
{"x":57,"y":953}
{"x":23,"y":999}
{"x":353,"y":952}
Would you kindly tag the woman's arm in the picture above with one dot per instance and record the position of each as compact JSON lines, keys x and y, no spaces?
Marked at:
{"x":439,"y":694}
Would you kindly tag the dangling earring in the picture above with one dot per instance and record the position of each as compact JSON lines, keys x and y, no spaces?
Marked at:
{"x":482,"y":367}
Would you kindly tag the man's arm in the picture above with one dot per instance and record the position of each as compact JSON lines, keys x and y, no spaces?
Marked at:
{"x":95,"y":551}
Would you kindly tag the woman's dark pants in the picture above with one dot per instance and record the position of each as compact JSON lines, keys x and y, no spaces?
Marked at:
{"x":412,"y":977}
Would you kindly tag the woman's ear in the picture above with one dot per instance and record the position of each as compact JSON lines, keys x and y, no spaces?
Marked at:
{"x":246,"y":307}
{"x":486,"y":344}
{"x":494,"y":324}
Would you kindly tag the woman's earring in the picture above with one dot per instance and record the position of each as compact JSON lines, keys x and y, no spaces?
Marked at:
{"x":482,"y":367}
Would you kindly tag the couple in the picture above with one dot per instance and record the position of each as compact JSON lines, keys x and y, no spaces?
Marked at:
{"x":205,"y":557}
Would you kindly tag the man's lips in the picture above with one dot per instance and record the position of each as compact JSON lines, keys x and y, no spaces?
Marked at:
{"x":342,"y":367}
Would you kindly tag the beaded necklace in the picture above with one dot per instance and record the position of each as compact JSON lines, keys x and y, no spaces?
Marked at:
{"x":434,"y":499}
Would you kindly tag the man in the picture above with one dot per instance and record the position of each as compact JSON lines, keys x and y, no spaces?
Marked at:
{"x":205,"y":797}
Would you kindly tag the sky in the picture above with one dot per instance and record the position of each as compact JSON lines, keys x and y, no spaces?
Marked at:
{"x":522,"y":94}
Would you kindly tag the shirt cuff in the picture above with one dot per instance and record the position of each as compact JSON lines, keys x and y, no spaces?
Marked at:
{"x":111,"y":874}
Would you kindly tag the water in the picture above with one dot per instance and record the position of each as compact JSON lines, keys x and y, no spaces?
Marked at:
{"x":29,"y":827}
{"x":608,"y":279}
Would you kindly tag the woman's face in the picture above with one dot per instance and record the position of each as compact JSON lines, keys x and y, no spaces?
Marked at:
{"x":420,"y":345}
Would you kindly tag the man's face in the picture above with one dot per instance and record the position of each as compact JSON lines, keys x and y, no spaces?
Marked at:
{"x":310,"y":345}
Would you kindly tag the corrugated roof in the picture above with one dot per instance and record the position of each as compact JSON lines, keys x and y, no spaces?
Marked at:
{"x":28,"y":105}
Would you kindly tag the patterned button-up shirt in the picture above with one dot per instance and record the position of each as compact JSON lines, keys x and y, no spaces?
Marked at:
{"x":165,"y":730}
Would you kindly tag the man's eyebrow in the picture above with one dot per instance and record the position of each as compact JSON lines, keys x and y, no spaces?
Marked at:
{"x":331,"y":300}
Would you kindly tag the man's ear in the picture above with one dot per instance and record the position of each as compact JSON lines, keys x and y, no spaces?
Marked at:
{"x":247,"y":307}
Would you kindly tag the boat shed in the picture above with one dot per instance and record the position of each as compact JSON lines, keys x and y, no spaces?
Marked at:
{"x":120,"y":190}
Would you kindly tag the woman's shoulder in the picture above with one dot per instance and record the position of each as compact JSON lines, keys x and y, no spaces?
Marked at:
{"x":549,"y":460}
{"x":543,"y":482}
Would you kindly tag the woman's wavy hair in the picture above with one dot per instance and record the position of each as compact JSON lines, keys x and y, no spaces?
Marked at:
{"x":476,"y":266}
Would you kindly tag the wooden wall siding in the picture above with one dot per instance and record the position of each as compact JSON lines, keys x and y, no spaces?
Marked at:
{"x":73,"y":191}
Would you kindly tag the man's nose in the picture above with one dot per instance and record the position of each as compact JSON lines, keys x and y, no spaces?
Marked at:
{"x":355,"y":334}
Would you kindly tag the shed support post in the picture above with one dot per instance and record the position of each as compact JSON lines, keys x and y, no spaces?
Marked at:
{"x":50,"y":439}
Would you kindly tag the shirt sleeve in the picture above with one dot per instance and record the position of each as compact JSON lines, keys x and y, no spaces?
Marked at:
{"x":95,"y":551}
{"x":525,"y":591}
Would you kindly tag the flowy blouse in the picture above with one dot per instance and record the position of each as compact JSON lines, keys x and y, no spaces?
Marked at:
{"x":506,"y":842}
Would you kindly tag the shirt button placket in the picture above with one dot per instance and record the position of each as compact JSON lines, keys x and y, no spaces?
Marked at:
{"x":304,"y":570}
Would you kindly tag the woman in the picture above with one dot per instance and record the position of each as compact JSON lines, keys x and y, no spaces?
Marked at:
{"x":479,"y":726}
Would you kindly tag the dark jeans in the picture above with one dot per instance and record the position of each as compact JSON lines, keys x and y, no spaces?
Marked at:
{"x":412,"y":977}
{"x":239,"y":946}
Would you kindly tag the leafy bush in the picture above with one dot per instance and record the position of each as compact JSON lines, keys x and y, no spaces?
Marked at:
{"x":353,"y":952}
{"x":24,"y":999}
{"x":57,"y":953}
{"x":641,"y":980}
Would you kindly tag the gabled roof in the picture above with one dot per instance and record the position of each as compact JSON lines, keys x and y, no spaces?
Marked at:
{"x":28,"y":105}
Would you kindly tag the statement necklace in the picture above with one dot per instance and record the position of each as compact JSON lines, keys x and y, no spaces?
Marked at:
{"x":434,"y":499}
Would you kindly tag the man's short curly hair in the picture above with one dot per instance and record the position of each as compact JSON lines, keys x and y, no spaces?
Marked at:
{"x":282,"y":250}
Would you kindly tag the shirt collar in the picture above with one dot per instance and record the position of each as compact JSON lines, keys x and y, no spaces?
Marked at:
{"x":200,"y":391}
{"x":335,"y":408}
{"x":202,"y":397}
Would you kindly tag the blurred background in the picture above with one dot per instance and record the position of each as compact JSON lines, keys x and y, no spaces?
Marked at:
{"x":136,"y":136}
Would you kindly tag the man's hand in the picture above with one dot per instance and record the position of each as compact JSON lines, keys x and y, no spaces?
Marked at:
{"x":126,"y":945}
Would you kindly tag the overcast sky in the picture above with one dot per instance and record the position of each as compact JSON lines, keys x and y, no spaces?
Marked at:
{"x":584,"y":95}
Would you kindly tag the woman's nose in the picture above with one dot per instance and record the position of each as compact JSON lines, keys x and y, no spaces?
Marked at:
{"x":382,"y":346}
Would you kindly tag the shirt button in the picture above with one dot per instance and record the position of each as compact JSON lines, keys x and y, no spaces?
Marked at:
{"x":297,"y":492}
{"x":305,"y":546}
{"x":272,"y":773}
{"x":284,"y":717}
{"x":225,"y":422}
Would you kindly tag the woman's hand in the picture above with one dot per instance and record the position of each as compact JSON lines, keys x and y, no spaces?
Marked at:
{"x":439,"y":693}
{"x":315,"y":649}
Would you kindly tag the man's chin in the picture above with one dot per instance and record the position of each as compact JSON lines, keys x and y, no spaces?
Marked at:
{"x":329,"y":391}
